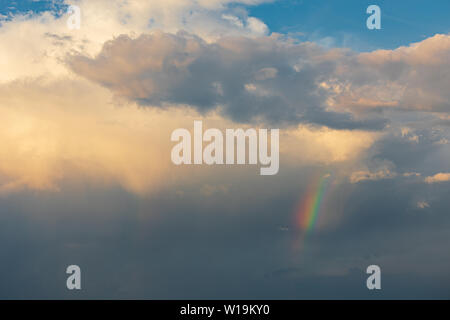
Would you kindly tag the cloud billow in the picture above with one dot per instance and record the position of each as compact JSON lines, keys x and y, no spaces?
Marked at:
{"x":267,"y":79}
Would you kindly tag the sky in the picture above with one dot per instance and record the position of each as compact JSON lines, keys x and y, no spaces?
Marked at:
{"x":86,"y":176}
{"x":338,"y":23}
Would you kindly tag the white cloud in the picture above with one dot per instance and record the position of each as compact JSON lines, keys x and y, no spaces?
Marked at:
{"x":412,"y":77}
{"x":35,"y":44}
{"x":439,"y":177}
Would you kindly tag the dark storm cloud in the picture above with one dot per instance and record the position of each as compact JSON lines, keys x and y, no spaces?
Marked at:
{"x":227,"y":245}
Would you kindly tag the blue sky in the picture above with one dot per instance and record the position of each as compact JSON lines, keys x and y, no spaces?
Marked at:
{"x":403,"y":21}
{"x":14,"y":6}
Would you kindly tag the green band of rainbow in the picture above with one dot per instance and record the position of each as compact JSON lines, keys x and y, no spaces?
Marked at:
{"x":309,"y":210}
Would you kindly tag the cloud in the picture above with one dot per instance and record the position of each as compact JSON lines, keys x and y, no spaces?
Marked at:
{"x":250,"y":80}
{"x":47,"y":39}
{"x":273,"y":79}
{"x":423,"y":205}
{"x":78,"y":136}
{"x":359,"y":176}
{"x":442,"y":141}
{"x":307,"y":145}
{"x":411,"y":174}
{"x":414,"y":77}
{"x":408,"y":134}
{"x":439,"y":177}
{"x":234,"y":74}
{"x":329,"y":87}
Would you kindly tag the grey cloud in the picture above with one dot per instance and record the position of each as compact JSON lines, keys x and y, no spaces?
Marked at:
{"x":265,"y":79}
{"x":228,"y":246}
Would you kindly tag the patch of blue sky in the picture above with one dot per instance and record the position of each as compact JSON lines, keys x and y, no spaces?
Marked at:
{"x":9,"y":8}
{"x":342,"y":23}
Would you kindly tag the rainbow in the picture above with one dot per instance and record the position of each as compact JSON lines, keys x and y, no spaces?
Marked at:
{"x":309,"y":208}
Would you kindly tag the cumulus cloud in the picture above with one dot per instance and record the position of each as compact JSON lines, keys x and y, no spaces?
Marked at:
{"x":249,"y":79}
{"x":439,"y":177}
{"x":272,"y":79}
{"x":46,"y":39}
{"x":414,"y":77}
